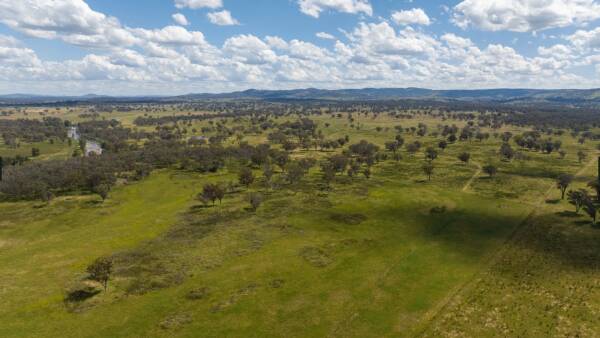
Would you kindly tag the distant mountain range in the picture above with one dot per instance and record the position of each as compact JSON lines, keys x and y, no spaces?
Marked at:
{"x":576,"y":97}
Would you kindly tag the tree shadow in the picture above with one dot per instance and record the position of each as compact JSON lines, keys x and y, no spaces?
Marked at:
{"x":201,"y":207}
{"x":80,"y":295}
{"x":471,"y":232}
{"x":567,"y":213}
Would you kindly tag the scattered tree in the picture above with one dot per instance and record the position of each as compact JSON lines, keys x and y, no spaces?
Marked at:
{"x":255,"y":199}
{"x":246,"y":177}
{"x":35,"y":152}
{"x":392,"y":146}
{"x":595,"y":184}
{"x":431,"y":154}
{"x":268,"y":175}
{"x":591,"y":210}
{"x":328,"y":172}
{"x":367,"y":173}
{"x":100,"y":271}
{"x":562,"y":182}
{"x":428,"y":170}
{"x":578,"y":198}
{"x":506,"y":151}
{"x":212,"y":192}
{"x":102,"y":190}
{"x":581,"y":156}
{"x":490,"y":169}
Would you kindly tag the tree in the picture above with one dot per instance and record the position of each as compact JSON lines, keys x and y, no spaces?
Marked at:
{"x":431,"y":154}
{"x":1,"y":167}
{"x":506,"y":151}
{"x":339,"y":162}
{"x":102,"y":189}
{"x":442,"y":144}
{"x":100,"y":271}
{"x":328,"y":172}
{"x":595,"y":184}
{"x":295,"y":172}
{"x":464,"y":157}
{"x":490,"y":169}
{"x":581,"y":156}
{"x":562,"y":153}
{"x":367,"y":173}
{"x":413,"y":147}
{"x":562,"y":182}
{"x":392,"y":146}
{"x":281,"y":158}
{"x":399,"y":140}
{"x":428,"y":170}
{"x":35,"y":152}
{"x":220,"y":191}
{"x":255,"y":199}
{"x":268,"y":174}
{"x":212,"y":192}
{"x":353,"y":169}
{"x":578,"y":198}
{"x":591,"y":210}
{"x":246,"y":177}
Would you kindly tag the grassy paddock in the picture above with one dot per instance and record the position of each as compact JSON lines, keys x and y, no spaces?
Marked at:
{"x":396,"y":255}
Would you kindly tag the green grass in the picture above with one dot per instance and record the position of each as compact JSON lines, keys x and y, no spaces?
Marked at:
{"x":368,"y":258}
{"x":48,"y":150}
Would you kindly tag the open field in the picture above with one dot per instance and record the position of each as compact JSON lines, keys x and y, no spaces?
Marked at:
{"x":393,"y":255}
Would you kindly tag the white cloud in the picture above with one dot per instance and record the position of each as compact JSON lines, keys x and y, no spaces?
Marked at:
{"x":170,"y":35}
{"x":249,"y":49}
{"x":276,"y":42}
{"x":70,"y":20}
{"x":382,"y":39}
{"x":128,"y":57}
{"x":222,"y":18}
{"x":196,"y":4}
{"x":127,"y":60}
{"x":415,"y":16}
{"x":524,"y":15}
{"x":14,"y":54}
{"x":586,"y":39}
{"x":180,"y":19}
{"x":457,"y":41}
{"x":325,"y":36}
{"x":315,"y":7}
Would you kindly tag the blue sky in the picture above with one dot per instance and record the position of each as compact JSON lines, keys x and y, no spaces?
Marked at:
{"x":135,"y":47}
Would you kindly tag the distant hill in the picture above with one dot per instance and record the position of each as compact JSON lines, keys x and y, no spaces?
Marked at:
{"x":578,"y":97}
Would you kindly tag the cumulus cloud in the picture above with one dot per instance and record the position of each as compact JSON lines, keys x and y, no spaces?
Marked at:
{"x":180,"y":19}
{"x":249,"y":49}
{"x":586,"y":39}
{"x":173,"y":59}
{"x":325,"y":36}
{"x":222,"y":18}
{"x":383,"y":39}
{"x":196,"y":4}
{"x":315,"y":7}
{"x":70,"y":20}
{"x":524,"y":15}
{"x":415,"y":16}
{"x":170,"y":35}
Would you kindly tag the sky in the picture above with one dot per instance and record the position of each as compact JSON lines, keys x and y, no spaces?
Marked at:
{"x":169,"y":47}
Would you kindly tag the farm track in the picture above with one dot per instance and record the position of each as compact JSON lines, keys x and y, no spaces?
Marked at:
{"x":472,"y":179}
{"x":447,"y":302}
